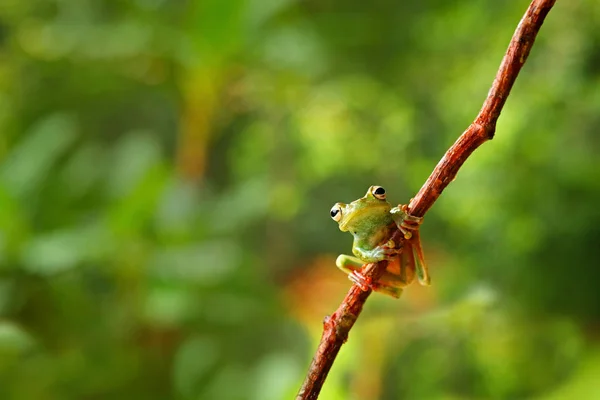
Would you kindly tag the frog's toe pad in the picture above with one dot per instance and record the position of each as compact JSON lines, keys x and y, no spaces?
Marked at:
{"x":360,"y":280}
{"x":408,"y":218}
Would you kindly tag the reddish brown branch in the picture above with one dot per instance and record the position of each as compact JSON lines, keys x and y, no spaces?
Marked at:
{"x":338,"y":325}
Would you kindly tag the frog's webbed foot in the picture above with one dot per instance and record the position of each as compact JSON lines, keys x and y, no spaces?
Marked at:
{"x":366,"y":283}
{"x":388,"y":250}
{"x":409,"y":226}
{"x":363,"y":282}
{"x":390,"y":284}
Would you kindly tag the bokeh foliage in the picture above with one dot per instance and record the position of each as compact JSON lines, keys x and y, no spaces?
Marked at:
{"x":167,"y":167}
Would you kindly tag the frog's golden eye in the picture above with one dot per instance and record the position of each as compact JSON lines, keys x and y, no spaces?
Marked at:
{"x":378,"y":192}
{"x":336,"y":213}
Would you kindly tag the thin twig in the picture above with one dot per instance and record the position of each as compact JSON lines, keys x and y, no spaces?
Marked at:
{"x":337,"y":326}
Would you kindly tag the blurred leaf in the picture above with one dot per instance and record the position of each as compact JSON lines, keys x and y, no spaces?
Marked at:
{"x":220,"y":386}
{"x":168,"y":306}
{"x":82,"y":170}
{"x":59,"y":251}
{"x":177,"y":207}
{"x":294,"y":48}
{"x":238,"y":207}
{"x":13,"y":339}
{"x":135,"y":211}
{"x":194,"y":361}
{"x":205,"y":263}
{"x":216,"y":28}
{"x":30,"y":162}
{"x":583,"y":383}
{"x":134,"y":154}
{"x":13,"y":226}
{"x":259,"y":11}
{"x":275,"y":374}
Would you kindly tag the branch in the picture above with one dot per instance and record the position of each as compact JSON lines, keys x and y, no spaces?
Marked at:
{"x":337,"y":326}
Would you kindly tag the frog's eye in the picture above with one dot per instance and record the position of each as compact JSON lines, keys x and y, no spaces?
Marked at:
{"x":378,"y":192}
{"x":336,"y":213}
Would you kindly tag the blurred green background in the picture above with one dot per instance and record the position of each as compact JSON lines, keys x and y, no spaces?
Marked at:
{"x":167,"y":170}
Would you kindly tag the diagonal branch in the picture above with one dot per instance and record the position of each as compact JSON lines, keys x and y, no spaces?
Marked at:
{"x":337,"y":326}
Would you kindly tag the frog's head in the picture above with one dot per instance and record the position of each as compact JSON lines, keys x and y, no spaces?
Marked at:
{"x":362,"y":212}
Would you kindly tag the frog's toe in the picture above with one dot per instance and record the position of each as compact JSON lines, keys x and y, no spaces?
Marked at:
{"x":382,"y":253}
{"x":412,"y":219}
{"x":406,"y":222}
{"x":390,"y":250}
{"x":408,"y":227}
{"x":361,"y":281}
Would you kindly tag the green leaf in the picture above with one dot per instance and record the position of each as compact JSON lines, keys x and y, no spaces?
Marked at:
{"x":195,"y":359}
{"x":30,"y":162}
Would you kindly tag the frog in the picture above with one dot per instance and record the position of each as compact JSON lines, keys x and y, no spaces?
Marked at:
{"x":372,"y":220}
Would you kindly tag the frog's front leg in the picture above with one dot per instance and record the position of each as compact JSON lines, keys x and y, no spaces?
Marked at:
{"x":409,"y":226}
{"x":363,"y":250}
{"x":390,"y":283}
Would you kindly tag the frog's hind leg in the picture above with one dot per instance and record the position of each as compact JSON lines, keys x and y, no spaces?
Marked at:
{"x":390,"y":283}
{"x":392,"y":291}
{"x":419,"y":259}
{"x":409,"y":226}
{"x":348,"y":264}
{"x":352,"y":266}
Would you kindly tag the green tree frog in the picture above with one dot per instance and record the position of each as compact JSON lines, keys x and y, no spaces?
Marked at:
{"x":372,"y":220}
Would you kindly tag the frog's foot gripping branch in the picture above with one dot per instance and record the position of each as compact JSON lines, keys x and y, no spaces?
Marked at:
{"x":362,"y":281}
{"x":409,"y":226}
{"x":407,"y":223}
{"x":365,"y":283}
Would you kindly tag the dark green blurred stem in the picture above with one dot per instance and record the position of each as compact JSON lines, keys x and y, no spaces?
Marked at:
{"x":338,"y":325}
